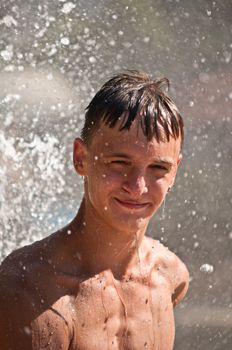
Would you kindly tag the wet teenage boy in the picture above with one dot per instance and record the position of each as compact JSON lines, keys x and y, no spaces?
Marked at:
{"x":99,"y":283}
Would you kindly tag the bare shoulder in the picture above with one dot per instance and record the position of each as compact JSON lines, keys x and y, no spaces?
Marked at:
{"x":15,"y":268}
{"x":171,"y":266}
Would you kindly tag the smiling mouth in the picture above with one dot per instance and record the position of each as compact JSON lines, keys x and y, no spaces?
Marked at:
{"x":131,"y":204}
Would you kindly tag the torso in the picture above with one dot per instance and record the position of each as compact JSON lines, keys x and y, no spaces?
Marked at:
{"x":128,"y":314}
{"x":103,"y":312}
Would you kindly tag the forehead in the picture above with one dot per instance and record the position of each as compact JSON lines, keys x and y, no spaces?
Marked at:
{"x":132,"y":142}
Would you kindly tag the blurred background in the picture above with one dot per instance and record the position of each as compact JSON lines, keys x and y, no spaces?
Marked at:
{"x":54,"y":55}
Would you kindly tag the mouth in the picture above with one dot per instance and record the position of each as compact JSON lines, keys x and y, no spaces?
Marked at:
{"x":132,"y":204}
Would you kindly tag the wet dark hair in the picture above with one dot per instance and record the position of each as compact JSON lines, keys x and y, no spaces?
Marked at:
{"x":133,"y":95}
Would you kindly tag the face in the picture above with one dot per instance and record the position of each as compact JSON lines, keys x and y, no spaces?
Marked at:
{"x":126,"y":176}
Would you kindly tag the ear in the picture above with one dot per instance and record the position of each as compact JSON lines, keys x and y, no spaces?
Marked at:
{"x":179,"y":159}
{"x":79,"y":156}
{"x":177,"y":165}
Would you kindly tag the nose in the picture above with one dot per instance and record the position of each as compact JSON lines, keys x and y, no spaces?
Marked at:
{"x":135,"y":183}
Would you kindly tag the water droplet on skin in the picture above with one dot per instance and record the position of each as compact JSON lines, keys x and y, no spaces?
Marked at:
{"x":207,"y":268}
{"x":96,"y":157}
{"x":69,"y":232}
{"x":105,"y":208}
{"x":42,"y":301}
{"x":78,"y":255}
{"x":27,"y":330}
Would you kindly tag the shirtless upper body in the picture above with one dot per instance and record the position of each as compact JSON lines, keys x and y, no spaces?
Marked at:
{"x":99,"y":283}
{"x":47,"y":302}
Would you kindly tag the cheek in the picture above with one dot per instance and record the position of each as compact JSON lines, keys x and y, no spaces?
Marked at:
{"x":101,"y":182}
{"x":159,"y":189}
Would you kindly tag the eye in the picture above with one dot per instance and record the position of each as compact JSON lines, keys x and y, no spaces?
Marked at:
{"x":119,"y":162}
{"x":160,"y":167}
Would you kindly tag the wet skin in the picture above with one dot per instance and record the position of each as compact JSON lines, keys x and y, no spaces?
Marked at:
{"x":99,"y":283}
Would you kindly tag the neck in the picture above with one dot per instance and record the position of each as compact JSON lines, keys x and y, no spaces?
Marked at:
{"x":103,"y":247}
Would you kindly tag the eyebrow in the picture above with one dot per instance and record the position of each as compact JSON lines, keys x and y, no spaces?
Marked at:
{"x":166,"y":160}
{"x":119,"y":155}
{"x":161,"y":160}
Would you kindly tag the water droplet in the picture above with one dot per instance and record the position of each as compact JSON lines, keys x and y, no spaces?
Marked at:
{"x":27,"y":330}
{"x":146,"y":39}
{"x":69,"y":232}
{"x":67,"y":8}
{"x":92,"y":59}
{"x":65,"y":41}
{"x":207,"y":268}
{"x":78,"y":255}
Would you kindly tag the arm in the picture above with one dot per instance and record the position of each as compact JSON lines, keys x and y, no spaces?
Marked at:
{"x":14,"y":327}
{"x":25,"y":323}
{"x":180,"y":281}
{"x":50,"y":331}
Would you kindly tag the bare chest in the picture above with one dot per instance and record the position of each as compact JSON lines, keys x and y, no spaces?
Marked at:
{"x":126,"y":315}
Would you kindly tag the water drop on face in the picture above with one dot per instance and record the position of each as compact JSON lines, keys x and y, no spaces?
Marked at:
{"x":105,"y":208}
{"x":206,"y":268}
{"x":96,"y":158}
{"x":69,"y":232}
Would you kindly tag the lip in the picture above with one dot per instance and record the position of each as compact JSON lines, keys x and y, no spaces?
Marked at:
{"x":132,"y":204}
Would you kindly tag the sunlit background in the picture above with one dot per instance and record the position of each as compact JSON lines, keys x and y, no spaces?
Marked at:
{"x":53,"y":56}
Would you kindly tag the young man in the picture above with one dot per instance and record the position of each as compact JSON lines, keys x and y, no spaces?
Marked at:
{"x":99,"y":283}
